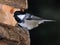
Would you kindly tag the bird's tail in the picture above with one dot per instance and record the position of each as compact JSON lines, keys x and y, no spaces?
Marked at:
{"x":48,"y":20}
{"x":42,"y":21}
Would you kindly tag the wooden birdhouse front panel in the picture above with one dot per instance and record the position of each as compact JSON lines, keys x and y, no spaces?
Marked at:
{"x":16,"y":3}
{"x":7,"y":9}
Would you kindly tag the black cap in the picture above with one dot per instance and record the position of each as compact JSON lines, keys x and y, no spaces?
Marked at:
{"x":19,"y":12}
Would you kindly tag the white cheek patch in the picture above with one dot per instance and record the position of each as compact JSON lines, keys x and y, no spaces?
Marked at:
{"x":21,"y":16}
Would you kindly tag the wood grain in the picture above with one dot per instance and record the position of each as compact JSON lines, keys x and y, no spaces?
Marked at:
{"x":16,"y":3}
{"x":14,"y":35}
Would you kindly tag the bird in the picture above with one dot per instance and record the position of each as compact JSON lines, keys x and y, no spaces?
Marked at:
{"x":28,"y":21}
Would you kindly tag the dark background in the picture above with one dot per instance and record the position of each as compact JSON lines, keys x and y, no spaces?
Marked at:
{"x":47,"y":33}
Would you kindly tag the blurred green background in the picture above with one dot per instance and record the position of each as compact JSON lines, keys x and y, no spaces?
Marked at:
{"x":47,"y":33}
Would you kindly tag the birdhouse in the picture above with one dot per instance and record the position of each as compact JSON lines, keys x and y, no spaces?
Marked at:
{"x":9,"y":33}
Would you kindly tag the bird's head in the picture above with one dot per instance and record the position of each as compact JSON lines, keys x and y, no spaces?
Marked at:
{"x":19,"y":16}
